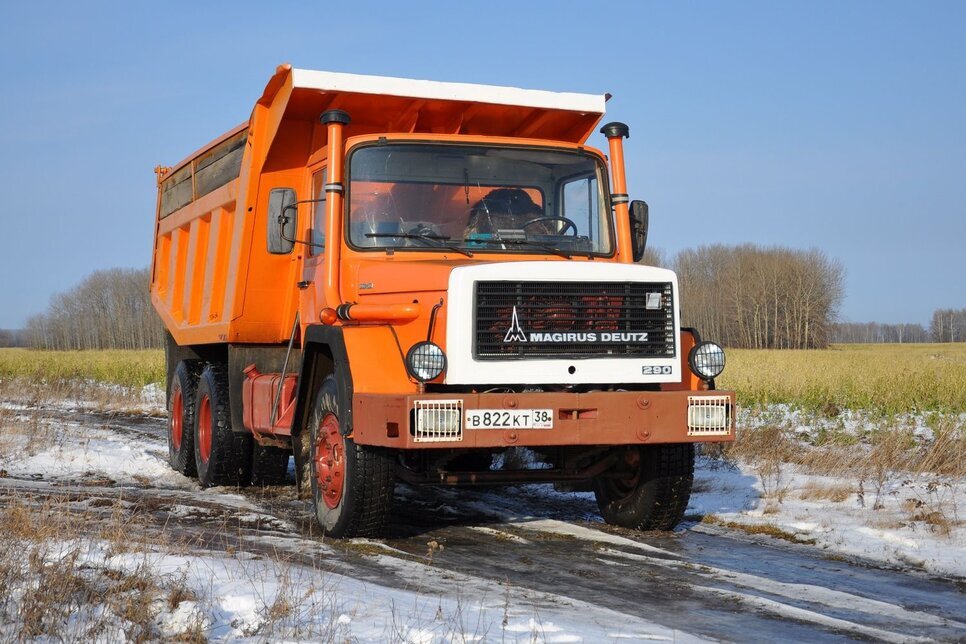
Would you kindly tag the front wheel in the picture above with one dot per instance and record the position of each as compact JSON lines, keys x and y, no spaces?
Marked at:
{"x":652,"y":490}
{"x":352,"y":485}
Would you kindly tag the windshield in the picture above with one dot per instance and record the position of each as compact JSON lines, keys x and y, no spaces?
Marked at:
{"x":477,"y":199}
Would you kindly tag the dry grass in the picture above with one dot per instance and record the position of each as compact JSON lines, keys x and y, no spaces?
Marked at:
{"x":888,"y":379}
{"x":872,"y":464}
{"x":51,"y":592}
{"x":126,"y":368}
{"x":766,"y":449}
{"x":88,"y":394}
{"x":834,"y":492}
{"x":766,"y":529}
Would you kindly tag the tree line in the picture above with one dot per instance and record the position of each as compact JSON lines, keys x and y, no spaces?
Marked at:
{"x":759,"y":297}
{"x":13,"y":338}
{"x":741,"y":296}
{"x":109,"y":309}
{"x":874,"y":332}
{"x":948,"y":325}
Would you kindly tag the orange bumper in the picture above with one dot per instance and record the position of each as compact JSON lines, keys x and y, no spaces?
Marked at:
{"x":598,"y":418}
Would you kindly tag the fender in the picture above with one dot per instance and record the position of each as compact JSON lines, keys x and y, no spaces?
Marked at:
{"x":324,"y":353}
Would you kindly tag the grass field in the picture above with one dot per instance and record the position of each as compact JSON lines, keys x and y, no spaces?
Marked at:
{"x":886,"y":379}
{"x":127,"y":368}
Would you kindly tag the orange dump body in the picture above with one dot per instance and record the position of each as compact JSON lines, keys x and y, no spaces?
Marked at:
{"x":214,"y":280}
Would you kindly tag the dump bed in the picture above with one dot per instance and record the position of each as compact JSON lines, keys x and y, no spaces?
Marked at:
{"x":213,"y":279}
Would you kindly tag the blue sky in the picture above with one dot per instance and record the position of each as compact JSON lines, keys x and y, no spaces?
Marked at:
{"x":837,"y":125}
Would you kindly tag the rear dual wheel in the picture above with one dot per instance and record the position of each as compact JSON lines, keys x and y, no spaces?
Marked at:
{"x":269,"y":464}
{"x":181,"y":416}
{"x":200,"y":439}
{"x":222,"y":456}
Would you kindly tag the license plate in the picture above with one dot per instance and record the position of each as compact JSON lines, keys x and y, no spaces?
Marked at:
{"x":509,"y":419}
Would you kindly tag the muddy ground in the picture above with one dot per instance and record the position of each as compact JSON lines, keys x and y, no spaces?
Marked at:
{"x":704,"y":580}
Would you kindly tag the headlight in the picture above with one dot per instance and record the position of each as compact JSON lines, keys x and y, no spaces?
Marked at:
{"x":425,"y":361}
{"x":707,"y":360}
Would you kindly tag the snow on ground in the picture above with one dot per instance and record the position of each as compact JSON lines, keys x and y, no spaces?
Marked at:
{"x":812,"y":424}
{"x":846,"y":524}
{"x":52,"y":449}
{"x":249,"y":598}
{"x":90,"y":395}
{"x":238,"y":596}
{"x":899,"y":518}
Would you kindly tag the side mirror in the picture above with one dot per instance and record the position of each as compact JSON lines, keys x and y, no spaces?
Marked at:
{"x":639,"y":218}
{"x":282,"y":216}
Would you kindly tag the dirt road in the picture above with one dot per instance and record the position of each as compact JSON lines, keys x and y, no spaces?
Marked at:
{"x":704,"y":581}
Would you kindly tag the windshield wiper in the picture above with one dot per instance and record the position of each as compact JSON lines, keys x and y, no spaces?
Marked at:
{"x":522,"y":242}
{"x":437,"y":240}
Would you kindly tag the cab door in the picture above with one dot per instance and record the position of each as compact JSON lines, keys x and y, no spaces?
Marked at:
{"x":311,"y":297}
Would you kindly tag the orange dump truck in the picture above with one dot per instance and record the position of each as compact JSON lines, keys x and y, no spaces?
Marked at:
{"x":401,"y":280}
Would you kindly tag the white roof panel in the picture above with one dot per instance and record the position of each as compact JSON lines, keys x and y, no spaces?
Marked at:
{"x":435,"y":90}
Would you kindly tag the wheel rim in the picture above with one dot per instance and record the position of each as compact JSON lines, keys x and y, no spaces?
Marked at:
{"x":330,"y":461}
{"x":204,"y":428}
{"x":177,"y":415}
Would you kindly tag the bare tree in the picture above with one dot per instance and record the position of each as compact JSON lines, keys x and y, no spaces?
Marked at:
{"x":948,"y":325}
{"x":752,"y":296}
{"x":110,"y":309}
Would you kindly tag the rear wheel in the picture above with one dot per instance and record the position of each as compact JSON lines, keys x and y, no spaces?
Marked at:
{"x":352,"y":485}
{"x":653,"y":490}
{"x":222,"y":457}
{"x":269,"y":464}
{"x":181,"y":417}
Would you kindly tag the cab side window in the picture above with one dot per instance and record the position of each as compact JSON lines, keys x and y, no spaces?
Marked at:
{"x":579,"y":203}
{"x":317,"y":235}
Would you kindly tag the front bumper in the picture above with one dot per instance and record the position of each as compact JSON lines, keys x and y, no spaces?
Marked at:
{"x":597,"y":418}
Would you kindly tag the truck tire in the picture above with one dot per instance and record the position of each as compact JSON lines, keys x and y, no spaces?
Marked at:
{"x":656,"y":495}
{"x":222,"y":457}
{"x":269,"y":464}
{"x":181,"y":417}
{"x":352,"y":485}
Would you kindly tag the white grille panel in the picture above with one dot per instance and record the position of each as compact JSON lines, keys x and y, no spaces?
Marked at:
{"x":438,"y":421}
{"x":709,"y":416}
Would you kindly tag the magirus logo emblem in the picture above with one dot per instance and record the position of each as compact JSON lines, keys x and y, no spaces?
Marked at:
{"x":516,"y":334}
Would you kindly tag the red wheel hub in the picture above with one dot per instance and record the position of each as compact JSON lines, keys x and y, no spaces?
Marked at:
{"x":204,"y":428}
{"x":330,"y":461}
{"x":177,"y":414}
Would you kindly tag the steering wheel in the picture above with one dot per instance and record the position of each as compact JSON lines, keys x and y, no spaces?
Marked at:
{"x":568,"y":224}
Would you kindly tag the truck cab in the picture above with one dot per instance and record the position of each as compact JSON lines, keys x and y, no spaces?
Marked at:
{"x":398,"y":280}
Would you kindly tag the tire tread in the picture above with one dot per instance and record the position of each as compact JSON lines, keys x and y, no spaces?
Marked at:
{"x":230,"y":461}
{"x":662,"y":496}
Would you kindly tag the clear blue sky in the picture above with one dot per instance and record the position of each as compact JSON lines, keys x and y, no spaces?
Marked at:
{"x":839,"y":125}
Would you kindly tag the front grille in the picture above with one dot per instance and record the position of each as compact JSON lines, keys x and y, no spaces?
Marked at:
{"x":573,"y":319}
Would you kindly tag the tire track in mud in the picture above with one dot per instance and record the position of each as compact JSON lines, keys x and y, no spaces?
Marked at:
{"x":709,"y":582}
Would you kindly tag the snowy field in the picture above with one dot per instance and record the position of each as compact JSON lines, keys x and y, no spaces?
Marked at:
{"x":272,"y":583}
{"x":877,"y":510}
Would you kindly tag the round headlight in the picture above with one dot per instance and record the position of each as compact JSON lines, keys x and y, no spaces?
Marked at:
{"x":707,"y":360}
{"x":425,"y":361}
